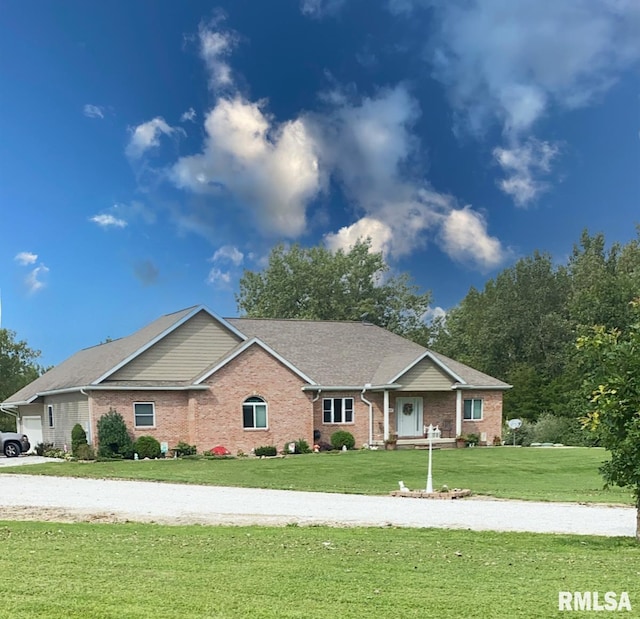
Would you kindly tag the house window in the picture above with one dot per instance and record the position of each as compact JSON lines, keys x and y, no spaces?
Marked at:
{"x":473,"y":410}
{"x":337,"y":410}
{"x":254,"y":413}
{"x":50,"y":416}
{"x":144,"y":414}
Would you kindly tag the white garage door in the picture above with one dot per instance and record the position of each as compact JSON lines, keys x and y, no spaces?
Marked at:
{"x":32,"y":427}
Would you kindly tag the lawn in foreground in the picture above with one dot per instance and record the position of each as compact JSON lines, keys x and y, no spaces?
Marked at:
{"x":147,"y":571}
{"x":514,"y":473}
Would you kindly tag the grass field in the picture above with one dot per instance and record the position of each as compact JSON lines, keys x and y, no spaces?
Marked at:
{"x":515,"y":473}
{"x":131,"y":571}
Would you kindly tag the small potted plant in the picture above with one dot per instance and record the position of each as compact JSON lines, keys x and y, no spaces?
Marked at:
{"x":461,"y":441}
{"x":391,"y":443}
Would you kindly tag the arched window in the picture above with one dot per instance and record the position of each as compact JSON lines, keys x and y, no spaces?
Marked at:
{"x":254,"y":413}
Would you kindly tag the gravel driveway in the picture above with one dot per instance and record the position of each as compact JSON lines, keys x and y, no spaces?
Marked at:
{"x":70,"y":499}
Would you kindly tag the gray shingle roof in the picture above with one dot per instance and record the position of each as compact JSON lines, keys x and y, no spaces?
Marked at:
{"x":348,"y":353}
{"x":89,"y":364}
{"x":331,"y":353}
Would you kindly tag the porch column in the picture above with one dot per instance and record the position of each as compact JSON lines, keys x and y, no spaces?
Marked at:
{"x":458,"y":412}
{"x":386,"y":415}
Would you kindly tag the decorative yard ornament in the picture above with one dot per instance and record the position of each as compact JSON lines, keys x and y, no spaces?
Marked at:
{"x":432,"y":432}
{"x":514,"y":425}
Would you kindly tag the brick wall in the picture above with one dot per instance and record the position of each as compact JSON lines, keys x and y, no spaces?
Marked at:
{"x":491,"y":414}
{"x":217,"y":414}
{"x":170,"y":408}
{"x":360,"y":426}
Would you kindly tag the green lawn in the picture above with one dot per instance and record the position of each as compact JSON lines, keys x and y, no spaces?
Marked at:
{"x":131,"y":571}
{"x":515,"y":473}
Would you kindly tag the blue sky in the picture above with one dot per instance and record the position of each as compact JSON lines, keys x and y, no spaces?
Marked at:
{"x":151,"y":150}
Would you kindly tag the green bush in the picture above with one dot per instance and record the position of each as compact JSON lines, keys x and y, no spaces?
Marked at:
{"x":265,"y":450}
{"x":78,"y":437}
{"x":7,"y":422}
{"x":147,"y":447}
{"x":113,"y":437}
{"x":301,"y":447}
{"x":342,"y":437}
{"x":472,"y":439}
{"x":566,"y":430}
{"x":42,"y":447}
{"x":184,"y":449}
{"x":85,"y":452}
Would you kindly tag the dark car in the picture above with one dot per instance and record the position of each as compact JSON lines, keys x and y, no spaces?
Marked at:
{"x":12,"y":444}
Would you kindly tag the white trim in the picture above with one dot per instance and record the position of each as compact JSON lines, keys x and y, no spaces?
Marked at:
{"x":440,"y":364}
{"x":43,"y":394}
{"x":472,"y":400}
{"x":340,"y":423}
{"x":173,"y":327}
{"x":153,"y":410}
{"x":458,"y":413}
{"x":244,"y":347}
{"x":386,"y":415}
{"x":481,"y":388}
{"x":253,"y":405}
{"x":367,"y":387}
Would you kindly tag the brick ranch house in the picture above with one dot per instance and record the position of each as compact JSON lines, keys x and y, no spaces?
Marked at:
{"x":196,"y":377}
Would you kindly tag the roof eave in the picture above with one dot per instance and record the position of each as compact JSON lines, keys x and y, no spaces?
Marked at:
{"x":366,"y":387}
{"x":465,"y":387}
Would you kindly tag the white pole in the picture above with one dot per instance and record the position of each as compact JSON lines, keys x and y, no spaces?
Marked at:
{"x":429,"y":478}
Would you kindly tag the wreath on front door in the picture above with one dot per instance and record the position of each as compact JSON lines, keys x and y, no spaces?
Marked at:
{"x":407,"y":409}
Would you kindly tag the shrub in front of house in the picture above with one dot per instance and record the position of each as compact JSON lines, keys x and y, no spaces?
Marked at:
{"x":42,"y":447}
{"x":85,"y":452}
{"x":78,"y":437}
{"x":147,"y":447}
{"x":266,"y":450}
{"x":342,"y":438}
{"x":184,"y":449}
{"x":113,"y":437}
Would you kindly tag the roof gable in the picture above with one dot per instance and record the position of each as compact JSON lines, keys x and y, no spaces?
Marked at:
{"x":92,"y":365}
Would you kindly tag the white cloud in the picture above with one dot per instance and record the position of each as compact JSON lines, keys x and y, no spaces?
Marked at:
{"x":188,"y":116}
{"x":215,"y":46}
{"x":320,"y":8}
{"x":513,"y":59}
{"x":434,"y":313}
{"x":146,"y":136}
{"x":267,"y":167}
{"x":522,"y":164}
{"x":370,"y":149}
{"x":25,"y":258}
{"x":33,"y":280}
{"x":464,"y":237}
{"x":105,"y":220}
{"x":220,"y":278}
{"x":380,"y":234}
{"x":93,"y":111}
{"x":228,"y":253}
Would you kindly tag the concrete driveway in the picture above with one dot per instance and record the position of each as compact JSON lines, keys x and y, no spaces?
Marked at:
{"x":61,"y":498}
{"x":25,"y":460}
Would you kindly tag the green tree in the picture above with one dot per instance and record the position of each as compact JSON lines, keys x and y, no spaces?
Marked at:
{"x":611,"y":360}
{"x":113,"y":437}
{"x":516,"y":329}
{"x":18,"y":368}
{"x":315,"y":283}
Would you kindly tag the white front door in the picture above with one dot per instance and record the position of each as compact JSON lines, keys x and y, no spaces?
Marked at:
{"x":32,"y":427}
{"x":409,"y":417}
